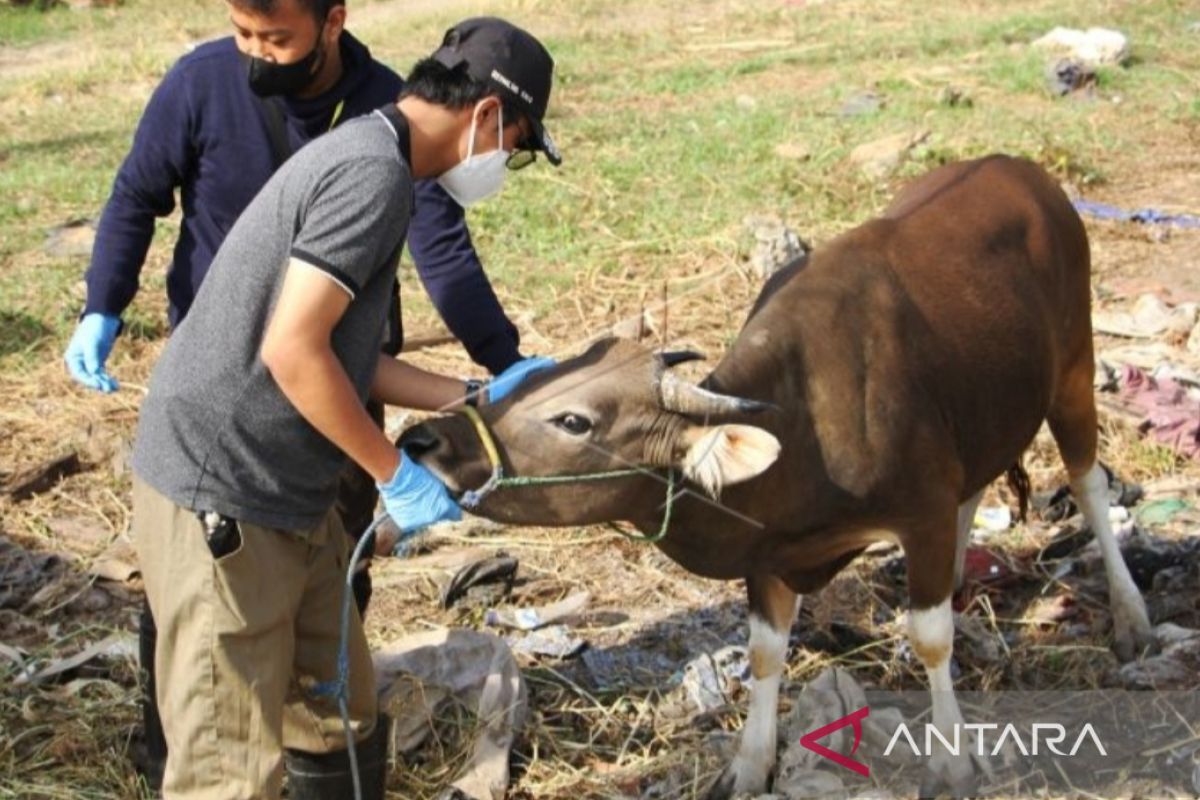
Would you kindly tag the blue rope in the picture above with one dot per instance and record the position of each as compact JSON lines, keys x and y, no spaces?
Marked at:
{"x":339,"y":687}
{"x":1147,"y":216}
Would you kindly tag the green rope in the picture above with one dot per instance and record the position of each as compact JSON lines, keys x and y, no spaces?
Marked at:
{"x":535,"y":480}
{"x":544,"y":480}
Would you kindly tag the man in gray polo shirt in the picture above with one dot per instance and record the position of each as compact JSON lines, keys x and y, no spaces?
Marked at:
{"x":259,"y":398}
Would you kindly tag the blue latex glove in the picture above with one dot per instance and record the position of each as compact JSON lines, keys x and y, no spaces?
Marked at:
{"x":89,"y":349}
{"x":503,"y":384}
{"x":416,"y":499}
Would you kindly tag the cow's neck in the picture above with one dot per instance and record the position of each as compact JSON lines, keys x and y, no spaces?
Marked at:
{"x":719,"y":538}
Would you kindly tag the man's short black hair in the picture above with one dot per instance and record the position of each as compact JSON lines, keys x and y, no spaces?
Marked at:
{"x":318,"y":8}
{"x":434,"y":82}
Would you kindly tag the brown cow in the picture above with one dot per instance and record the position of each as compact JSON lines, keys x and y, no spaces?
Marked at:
{"x":903,"y":368}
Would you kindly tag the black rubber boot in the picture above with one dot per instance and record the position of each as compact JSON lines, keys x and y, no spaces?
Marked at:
{"x":327,"y":776}
{"x":149,"y":755}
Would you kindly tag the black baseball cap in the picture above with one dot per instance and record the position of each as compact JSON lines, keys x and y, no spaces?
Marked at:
{"x":498,"y":52}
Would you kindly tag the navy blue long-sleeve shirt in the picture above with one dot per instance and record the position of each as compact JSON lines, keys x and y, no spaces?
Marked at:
{"x":205,"y":133}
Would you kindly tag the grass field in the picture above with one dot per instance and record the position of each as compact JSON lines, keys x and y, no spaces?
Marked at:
{"x":677,"y":120}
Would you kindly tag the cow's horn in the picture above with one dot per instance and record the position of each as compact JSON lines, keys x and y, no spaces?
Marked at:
{"x":674,"y":358}
{"x":687,"y":398}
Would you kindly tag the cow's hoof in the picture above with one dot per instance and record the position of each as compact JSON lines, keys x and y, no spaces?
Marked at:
{"x":738,"y":779}
{"x":1132,"y":635}
{"x":1131,"y":646}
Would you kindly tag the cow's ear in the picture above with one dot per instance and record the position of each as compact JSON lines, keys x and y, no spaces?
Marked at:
{"x":723,"y":455}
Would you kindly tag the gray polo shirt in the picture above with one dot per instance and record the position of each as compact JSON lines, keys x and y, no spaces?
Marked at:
{"x":215,"y":431}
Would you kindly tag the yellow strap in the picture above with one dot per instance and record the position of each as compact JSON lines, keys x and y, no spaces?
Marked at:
{"x":485,"y":436}
{"x":337,"y":113}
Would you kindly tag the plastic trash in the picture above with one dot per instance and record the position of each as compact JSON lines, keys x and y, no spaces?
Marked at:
{"x":1094,"y":47}
{"x":528,"y":619}
{"x":417,"y":673}
{"x":712,"y":679}
{"x":993,"y":518}
{"x":984,"y":566}
{"x":1149,"y":317}
{"x":555,"y":641}
{"x":1173,"y":668}
{"x":1160,"y":512}
{"x":1168,"y":409}
{"x":1067,"y":75}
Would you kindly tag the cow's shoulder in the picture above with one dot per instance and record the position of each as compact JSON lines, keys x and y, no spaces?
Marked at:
{"x":850,"y":320}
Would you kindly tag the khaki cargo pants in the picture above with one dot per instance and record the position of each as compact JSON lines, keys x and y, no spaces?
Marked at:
{"x":238,"y":638}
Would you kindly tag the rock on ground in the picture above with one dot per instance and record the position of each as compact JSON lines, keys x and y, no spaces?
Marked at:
{"x":880,"y":158}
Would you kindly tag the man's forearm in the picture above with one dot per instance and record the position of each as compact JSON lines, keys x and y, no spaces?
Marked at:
{"x":398,"y":383}
{"x":123,"y":238}
{"x":315,"y":383}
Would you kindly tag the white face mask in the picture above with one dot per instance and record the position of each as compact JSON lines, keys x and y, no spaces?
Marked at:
{"x":477,"y":177}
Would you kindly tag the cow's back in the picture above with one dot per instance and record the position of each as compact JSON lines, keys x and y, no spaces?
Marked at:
{"x":995,"y":263}
{"x":941,"y":325}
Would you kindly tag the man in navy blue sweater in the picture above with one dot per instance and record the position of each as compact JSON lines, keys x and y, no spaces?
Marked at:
{"x":206,"y":133}
{"x":221,"y":122}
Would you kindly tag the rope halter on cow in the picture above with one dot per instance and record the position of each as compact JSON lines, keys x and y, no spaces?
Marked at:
{"x":498,"y":480}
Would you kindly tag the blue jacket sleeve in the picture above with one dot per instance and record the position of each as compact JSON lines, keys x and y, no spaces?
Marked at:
{"x":453,"y":276}
{"x":144,"y":189}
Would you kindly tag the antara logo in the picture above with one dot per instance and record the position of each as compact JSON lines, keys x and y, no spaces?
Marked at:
{"x":809,"y":741}
{"x":1048,"y":734}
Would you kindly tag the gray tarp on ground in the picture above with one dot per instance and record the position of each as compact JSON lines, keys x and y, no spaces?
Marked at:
{"x":416,"y":673}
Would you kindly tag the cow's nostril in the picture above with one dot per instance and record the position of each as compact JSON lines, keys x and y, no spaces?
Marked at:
{"x":418,"y":441}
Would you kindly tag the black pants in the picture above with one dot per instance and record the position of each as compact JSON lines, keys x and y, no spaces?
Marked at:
{"x":356,"y":502}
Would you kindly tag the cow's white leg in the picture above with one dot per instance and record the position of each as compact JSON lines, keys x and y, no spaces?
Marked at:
{"x":751,"y":767}
{"x":966,"y":519}
{"x":756,"y":751}
{"x":1131,"y":624}
{"x":931,"y":632}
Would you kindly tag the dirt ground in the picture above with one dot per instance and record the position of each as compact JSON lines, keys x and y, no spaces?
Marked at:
{"x":612,"y":721}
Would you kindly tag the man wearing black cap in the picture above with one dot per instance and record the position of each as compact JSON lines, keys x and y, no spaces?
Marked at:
{"x":259,"y":398}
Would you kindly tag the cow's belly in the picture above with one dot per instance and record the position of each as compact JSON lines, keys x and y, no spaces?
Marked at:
{"x":808,"y":558}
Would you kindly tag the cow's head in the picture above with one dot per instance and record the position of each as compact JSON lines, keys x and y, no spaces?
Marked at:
{"x":616,"y":406}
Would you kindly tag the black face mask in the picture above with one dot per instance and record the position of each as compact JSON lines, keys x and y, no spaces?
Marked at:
{"x":268,"y":78}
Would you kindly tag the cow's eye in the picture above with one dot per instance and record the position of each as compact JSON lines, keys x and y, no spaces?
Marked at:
{"x":573,"y":423}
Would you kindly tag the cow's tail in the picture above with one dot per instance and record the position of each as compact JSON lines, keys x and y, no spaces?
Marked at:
{"x":1018,"y":482}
